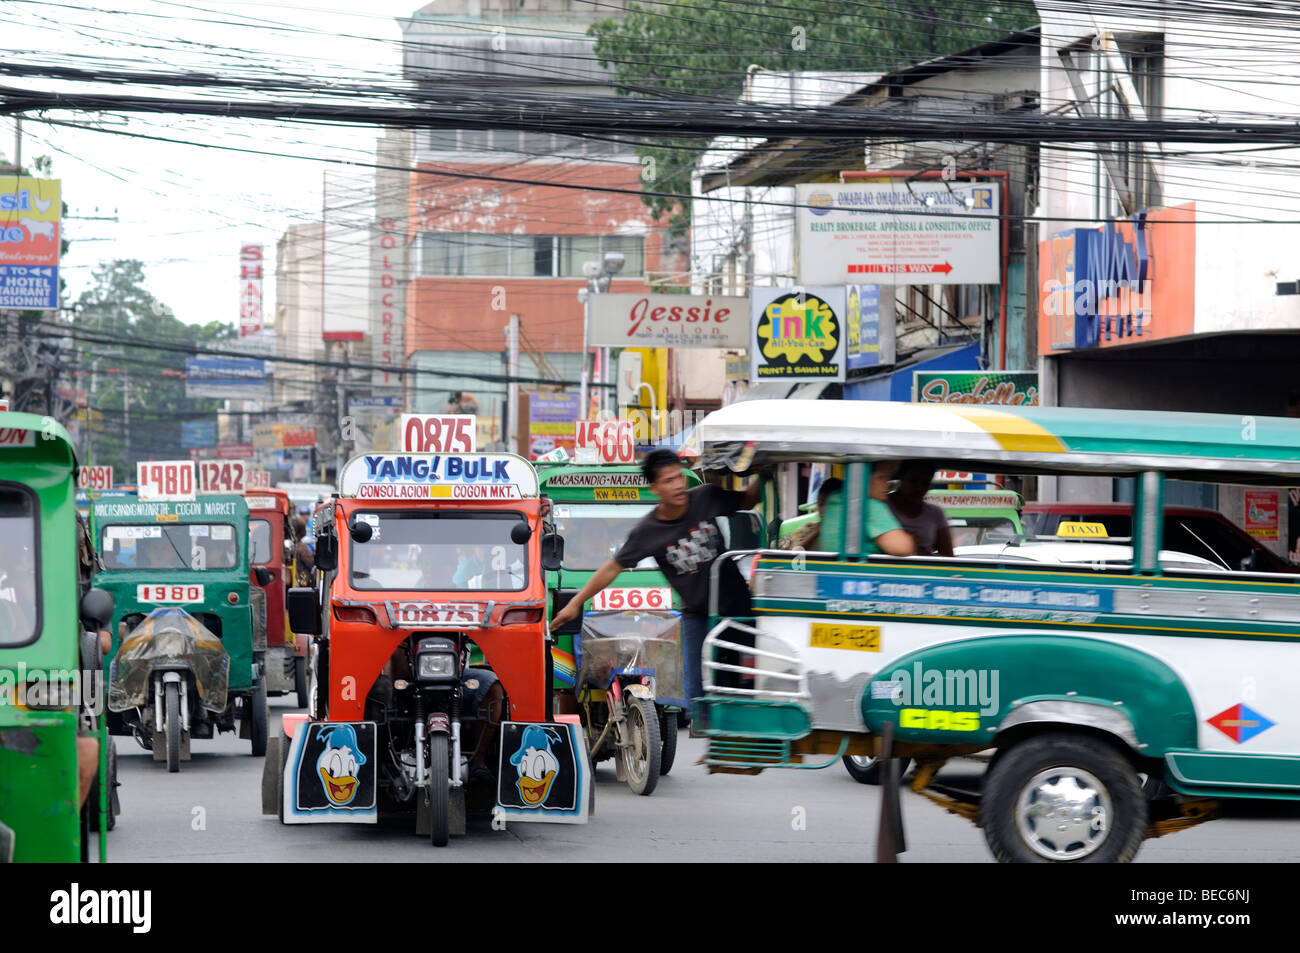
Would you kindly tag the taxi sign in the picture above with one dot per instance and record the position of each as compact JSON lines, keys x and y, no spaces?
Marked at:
{"x":612,"y":441}
{"x":165,"y":481}
{"x":439,"y":433}
{"x":423,"y":476}
{"x":221,"y":476}
{"x":1075,"y":530}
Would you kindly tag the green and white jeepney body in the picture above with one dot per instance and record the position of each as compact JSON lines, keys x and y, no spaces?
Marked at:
{"x":1119,"y":702}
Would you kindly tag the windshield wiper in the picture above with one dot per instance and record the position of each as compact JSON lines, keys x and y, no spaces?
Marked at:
{"x":172,"y":543}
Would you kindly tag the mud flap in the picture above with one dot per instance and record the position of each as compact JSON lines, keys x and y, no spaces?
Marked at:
{"x":545,"y":773}
{"x":270,"y":768}
{"x":330,"y":775}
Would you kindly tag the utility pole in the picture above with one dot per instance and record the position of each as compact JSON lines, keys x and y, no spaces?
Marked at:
{"x":512,"y":389}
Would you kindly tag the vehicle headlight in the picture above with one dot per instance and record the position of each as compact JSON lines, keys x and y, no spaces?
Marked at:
{"x":432,"y":666}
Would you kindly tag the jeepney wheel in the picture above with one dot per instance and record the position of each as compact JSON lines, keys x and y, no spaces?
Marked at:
{"x":668,"y":736}
{"x":868,"y":770}
{"x":114,"y":804}
{"x":439,"y":790}
{"x":642,"y":749}
{"x":172,"y":723}
{"x":1063,"y":798}
{"x":257,"y":717}
{"x":300,"y":679}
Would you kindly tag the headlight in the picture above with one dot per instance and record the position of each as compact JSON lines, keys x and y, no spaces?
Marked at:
{"x":435,"y":665}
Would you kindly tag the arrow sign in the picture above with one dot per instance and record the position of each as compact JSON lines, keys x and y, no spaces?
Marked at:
{"x":901,"y":269}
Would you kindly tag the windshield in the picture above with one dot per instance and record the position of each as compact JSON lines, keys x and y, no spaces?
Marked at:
{"x":259,"y":549}
{"x":971,"y":530}
{"x":433,"y":552}
{"x":593,"y":532}
{"x":171,"y":547}
{"x":18,"y":570}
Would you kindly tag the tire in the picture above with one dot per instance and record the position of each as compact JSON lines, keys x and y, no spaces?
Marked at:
{"x":668,"y":736}
{"x":172,"y":722}
{"x":641,"y":757}
{"x":300,"y":680}
{"x":868,"y":770}
{"x":257,"y":716}
{"x":1084,"y":778}
{"x":114,"y":804}
{"x":439,"y":790}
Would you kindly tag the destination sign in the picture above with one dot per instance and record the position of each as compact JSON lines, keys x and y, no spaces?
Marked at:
{"x":410,"y":476}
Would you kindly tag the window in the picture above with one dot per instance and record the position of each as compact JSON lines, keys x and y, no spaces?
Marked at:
{"x":464,"y":254}
{"x":259,"y":533}
{"x":593,"y":532}
{"x":420,"y":552}
{"x":20,"y":612}
{"x":174,"y":547}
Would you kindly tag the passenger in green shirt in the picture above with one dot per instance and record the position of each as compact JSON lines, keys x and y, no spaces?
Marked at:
{"x":885,"y":535}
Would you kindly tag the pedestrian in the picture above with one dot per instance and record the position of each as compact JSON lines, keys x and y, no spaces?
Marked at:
{"x":924,"y":521}
{"x":682,"y":535}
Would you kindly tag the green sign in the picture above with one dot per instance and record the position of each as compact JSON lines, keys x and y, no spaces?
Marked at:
{"x":1008,"y":388}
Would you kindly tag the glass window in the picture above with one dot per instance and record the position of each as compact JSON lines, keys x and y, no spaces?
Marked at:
{"x":576,"y":249}
{"x":487,"y":254}
{"x":633,"y":249}
{"x":172,"y":547}
{"x":543,"y":256}
{"x":19,"y":573}
{"x":259,"y":532}
{"x":420,"y":551}
{"x":593,"y":532}
{"x":973,"y":530}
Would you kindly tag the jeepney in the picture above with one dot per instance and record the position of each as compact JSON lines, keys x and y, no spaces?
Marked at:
{"x":189,"y":634}
{"x":52,"y":737}
{"x":1119,"y":702}
{"x":421,"y":560}
{"x":633,"y":623}
{"x":271,"y":548}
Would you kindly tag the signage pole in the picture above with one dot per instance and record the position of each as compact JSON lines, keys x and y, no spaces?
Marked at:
{"x":582,"y":386}
{"x":512,"y":389}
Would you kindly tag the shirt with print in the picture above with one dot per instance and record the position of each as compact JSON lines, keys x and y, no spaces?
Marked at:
{"x":685,"y":549}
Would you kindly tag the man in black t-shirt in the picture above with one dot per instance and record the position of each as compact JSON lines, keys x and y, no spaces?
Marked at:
{"x":682,"y":535}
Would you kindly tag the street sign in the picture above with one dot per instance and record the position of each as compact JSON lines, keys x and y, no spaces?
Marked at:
{"x":438,"y":433}
{"x":221,"y":476}
{"x":94,"y":478}
{"x":611,"y":440}
{"x":29,"y":287}
{"x":161,"y":481}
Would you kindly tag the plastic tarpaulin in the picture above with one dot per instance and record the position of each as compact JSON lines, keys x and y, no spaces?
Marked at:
{"x":642,"y":641}
{"x":168,"y":639}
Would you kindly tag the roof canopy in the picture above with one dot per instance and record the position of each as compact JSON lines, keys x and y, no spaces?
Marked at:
{"x":1226,"y":448}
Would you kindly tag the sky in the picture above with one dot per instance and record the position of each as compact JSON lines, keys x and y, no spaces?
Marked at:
{"x":184,"y":210}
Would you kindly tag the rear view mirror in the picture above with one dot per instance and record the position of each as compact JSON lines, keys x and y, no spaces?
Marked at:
{"x":262,"y":575}
{"x":327,"y":552}
{"x":304,"y":614}
{"x":520,"y":533}
{"x":361,"y":531}
{"x":552,"y":551}
{"x":97,"y":607}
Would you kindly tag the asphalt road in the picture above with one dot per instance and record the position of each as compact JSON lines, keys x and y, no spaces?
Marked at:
{"x":211,"y":812}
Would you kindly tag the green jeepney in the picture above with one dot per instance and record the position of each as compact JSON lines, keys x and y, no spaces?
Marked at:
{"x":188,"y":635}
{"x":51,"y":696}
{"x":1119,"y":700}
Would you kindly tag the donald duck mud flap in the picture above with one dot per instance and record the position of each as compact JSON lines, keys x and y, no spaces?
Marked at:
{"x":545,"y":774}
{"x":330,"y":774}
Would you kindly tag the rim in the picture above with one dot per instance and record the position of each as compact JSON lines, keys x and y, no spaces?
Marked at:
{"x":637,"y":755}
{"x":862,"y":761}
{"x":1064,"y":813}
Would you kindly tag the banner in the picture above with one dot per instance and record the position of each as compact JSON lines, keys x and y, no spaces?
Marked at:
{"x":550,"y":423}
{"x":226,"y":378}
{"x":1007,"y":388}
{"x":198,"y":433}
{"x":667,"y":320}
{"x":863,"y":327}
{"x":30,"y":239}
{"x":798,"y":334}
{"x":250,"y":289}
{"x":1261,"y":514}
{"x":907,"y":233}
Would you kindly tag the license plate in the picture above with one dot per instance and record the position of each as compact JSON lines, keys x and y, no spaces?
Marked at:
{"x":863,"y":638}
{"x":632,"y":598}
{"x":618,"y":494}
{"x":168,"y":594}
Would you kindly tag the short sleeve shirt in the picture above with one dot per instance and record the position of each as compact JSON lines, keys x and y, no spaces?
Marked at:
{"x":924,"y":527}
{"x":685,"y":549}
{"x":880,"y":520}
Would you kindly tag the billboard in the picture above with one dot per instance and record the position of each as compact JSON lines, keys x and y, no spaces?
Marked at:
{"x":198,"y":433}
{"x":30,"y":239}
{"x":667,"y":320}
{"x":798,"y":333}
{"x":348,"y":217}
{"x":863,"y":328}
{"x":226,"y":378}
{"x":250,"y":289}
{"x":906,"y":233}
{"x":550,"y":423}
{"x":1005,"y":388}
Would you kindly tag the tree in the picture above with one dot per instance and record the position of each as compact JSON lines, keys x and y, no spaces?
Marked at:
{"x":704,"y":48}
{"x":118,"y":305}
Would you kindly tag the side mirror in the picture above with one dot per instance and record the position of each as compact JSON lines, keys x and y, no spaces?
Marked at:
{"x":520,"y":533}
{"x":1250,"y":562}
{"x":327,"y":552}
{"x":304,"y":615}
{"x":262,"y":575}
{"x":552,"y":551}
{"x":97,"y":607}
{"x":361,"y":531}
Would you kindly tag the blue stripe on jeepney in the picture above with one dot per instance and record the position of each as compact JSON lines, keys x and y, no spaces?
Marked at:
{"x":966,"y":593}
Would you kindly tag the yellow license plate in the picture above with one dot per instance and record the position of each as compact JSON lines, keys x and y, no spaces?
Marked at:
{"x":827,"y":635}
{"x":618,"y":494}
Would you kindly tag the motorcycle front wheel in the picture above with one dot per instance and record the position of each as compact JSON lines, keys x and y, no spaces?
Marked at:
{"x":172,"y":719}
{"x":439,"y":796}
{"x":643,"y":747}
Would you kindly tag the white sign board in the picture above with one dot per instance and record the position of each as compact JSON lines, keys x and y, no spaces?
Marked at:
{"x":160,"y":481}
{"x":914,"y":233}
{"x":423,"y":476}
{"x":257,"y":479}
{"x":615,"y":600}
{"x":438,"y":433}
{"x":612,"y":441}
{"x":221,"y":476}
{"x":667,"y":320}
{"x":94,"y":478}
{"x":168,"y":593}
